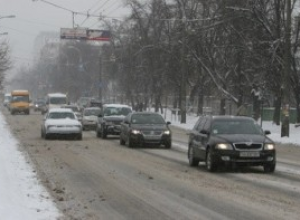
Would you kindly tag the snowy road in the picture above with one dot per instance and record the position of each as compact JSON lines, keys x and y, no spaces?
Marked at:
{"x":100,"y":179}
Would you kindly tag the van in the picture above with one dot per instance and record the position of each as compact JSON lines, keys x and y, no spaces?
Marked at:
{"x":56,"y":100}
{"x":19,"y":102}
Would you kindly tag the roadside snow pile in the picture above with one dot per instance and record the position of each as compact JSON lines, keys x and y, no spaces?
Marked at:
{"x":21,"y":194}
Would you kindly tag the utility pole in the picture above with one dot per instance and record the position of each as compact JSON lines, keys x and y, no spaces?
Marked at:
{"x":100,"y":84}
{"x":285,"y":125}
{"x":183,"y":68}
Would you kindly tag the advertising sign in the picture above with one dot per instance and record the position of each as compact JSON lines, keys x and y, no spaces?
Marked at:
{"x":98,"y":35}
{"x":73,"y":33}
{"x":85,"y":34}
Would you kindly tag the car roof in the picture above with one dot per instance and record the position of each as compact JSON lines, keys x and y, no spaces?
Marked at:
{"x":60,"y":110}
{"x":91,"y":108}
{"x":116,"y":105}
{"x":229,"y":117}
{"x":145,"y":113}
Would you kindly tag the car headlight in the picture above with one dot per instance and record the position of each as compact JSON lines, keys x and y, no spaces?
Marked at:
{"x":224,"y":146}
{"x":269,"y":147}
{"x":135,"y":132}
{"x":167,"y":132}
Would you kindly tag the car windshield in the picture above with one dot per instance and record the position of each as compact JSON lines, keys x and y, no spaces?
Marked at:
{"x":235,"y":127}
{"x":20,"y":99}
{"x":61,"y":115}
{"x":116,"y":111}
{"x":90,"y":112}
{"x":147,"y":119}
{"x":58,"y":100}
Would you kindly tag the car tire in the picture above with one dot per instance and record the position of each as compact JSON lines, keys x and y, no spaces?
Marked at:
{"x":211,"y":166}
{"x":98,"y":134}
{"x":130,"y":143}
{"x":192,"y":160}
{"x":269,"y":167}
{"x":103,"y":133}
{"x":168,"y":145}
{"x":46,"y":137}
{"x":122,"y":142}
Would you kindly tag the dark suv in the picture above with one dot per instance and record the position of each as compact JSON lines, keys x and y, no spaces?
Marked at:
{"x":230,"y":140}
{"x":109,"y":121}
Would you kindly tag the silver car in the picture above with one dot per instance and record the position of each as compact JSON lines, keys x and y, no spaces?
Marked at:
{"x":90,"y":118}
{"x":61,"y":122}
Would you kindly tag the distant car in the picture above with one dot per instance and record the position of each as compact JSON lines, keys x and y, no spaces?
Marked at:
{"x":140,"y":128}
{"x":90,"y":118}
{"x":75,"y":109}
{"x":230,"y":140}
{"x":39,"y":105}
{"x":109,"y":121}
{"x":7,"y":98}
{"x":84,"y":102}
{"x":61,"y":122}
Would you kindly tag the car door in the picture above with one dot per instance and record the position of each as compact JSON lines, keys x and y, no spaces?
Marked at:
{"x":196,"y":136}
{"x":204,"y":137}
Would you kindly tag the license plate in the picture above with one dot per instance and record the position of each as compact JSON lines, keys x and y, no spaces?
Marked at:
{"x":151,"y":137}
{"x":249,"y":154}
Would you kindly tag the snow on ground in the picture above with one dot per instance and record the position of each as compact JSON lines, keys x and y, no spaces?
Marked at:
{"x":23,"y":197}
{"x":21,"y":194}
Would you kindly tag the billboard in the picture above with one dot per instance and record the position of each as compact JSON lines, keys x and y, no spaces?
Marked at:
{"x":98,"y":35}
{"x":85,"y":34}
{"x":73,"y":33}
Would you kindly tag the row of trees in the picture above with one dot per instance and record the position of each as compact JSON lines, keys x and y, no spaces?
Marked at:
{"x":196,"y":48}
{"x":5,"y":63}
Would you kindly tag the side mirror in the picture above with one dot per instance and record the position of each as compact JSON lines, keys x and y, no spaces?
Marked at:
{"x":267,"y":132}
{"x":203,"y":131}
{"x":168,"y":123}
{"x":100,"y":115}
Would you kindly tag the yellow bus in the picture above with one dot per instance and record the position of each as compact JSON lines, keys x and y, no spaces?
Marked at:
{"x":19,"y":102}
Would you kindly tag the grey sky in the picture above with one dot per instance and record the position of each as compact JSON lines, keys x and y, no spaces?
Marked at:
{"x":32,"y":17}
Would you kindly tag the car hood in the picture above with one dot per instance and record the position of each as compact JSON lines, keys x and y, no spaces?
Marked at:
{"x":114,"y":118}
{"x":150,"y":127}
{"x":66,"y":121}
{"x":240,"y":138}
{"x":90,"y":118}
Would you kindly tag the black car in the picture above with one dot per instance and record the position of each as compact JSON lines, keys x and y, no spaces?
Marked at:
{"x":39,"y":105}
{"x":141,"y":128}
{"x":109,"y":121}
{"x":230,"y":140}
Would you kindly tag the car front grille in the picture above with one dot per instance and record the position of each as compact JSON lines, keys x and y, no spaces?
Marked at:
{"x":151,"y":132}
{"x":248,"y":146}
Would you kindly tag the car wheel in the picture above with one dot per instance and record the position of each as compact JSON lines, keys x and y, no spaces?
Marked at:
{"x":192,"y":160}
{"x":103,"y":133}
{"x":269,"y":168}
{"x":168,"y":145}
{"x":98,"y":133}
{"x":122,"y":142}
{"x":46,"y":136}
{"x":210,"y":164}
{"x":130,"y":142}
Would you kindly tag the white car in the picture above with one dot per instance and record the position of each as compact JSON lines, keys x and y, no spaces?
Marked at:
{"x":61,"y":122}
{"x":90,"y":118}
